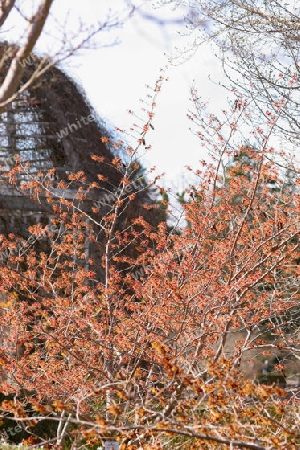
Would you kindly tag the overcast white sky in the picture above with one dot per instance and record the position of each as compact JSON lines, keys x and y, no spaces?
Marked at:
{"x":115,"y":77}
{"x":115,"y":80}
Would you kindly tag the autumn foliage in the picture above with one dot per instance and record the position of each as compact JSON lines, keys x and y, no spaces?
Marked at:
{"x":162,"y":359}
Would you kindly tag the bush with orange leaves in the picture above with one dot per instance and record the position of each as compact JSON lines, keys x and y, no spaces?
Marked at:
{"x":161,"y":361}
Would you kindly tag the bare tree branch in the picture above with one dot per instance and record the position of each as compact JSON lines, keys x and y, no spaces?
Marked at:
{"x":16,"y":70}
{"x":5,"y":9}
